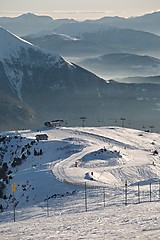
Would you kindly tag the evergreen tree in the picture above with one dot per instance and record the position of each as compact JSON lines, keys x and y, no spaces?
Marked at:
{"x":40,"y":152}
{"x":35,"y":152}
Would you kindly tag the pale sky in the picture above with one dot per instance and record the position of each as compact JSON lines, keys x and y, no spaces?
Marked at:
{"x":79,"y":9}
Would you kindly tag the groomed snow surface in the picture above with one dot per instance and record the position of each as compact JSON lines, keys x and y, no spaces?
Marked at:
{"x":103,"y":159}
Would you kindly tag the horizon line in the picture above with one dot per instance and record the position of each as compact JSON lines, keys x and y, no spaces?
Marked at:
{"x":76,"y":14}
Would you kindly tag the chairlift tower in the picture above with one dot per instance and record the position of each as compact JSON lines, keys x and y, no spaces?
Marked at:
{"x":83,"y":120}
{"x":123,"y":120}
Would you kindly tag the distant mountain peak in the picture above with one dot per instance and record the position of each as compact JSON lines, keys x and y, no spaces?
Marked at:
{"x":31,"y":16}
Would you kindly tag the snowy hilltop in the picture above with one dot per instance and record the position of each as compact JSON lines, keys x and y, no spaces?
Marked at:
{"x":105,"y":156}
{"x":49,"y":168}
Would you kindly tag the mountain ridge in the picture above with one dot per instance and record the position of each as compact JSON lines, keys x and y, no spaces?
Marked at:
{"x":99,"y":42}
{"x":122,"y":64}
{"x":147,"y":22}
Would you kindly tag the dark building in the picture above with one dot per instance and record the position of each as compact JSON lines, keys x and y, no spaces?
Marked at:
{"x":42,"y":137}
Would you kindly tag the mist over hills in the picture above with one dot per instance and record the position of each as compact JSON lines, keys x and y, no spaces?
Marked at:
{"x":125,"y":40}
{"x":112,"y":53}
{"x":122,"y":64}
{"x":113,"y":40}
{"x":138,"y":79}
{"x":77,"y":41}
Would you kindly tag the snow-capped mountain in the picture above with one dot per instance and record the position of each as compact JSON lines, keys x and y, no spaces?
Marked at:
{"x":12,"y":44}
{"x":53,"y":88}
{"x":32,"y":74}
{"x":17,"y":53}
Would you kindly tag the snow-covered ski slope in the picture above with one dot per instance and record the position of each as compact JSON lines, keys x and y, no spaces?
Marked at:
{"x":107,"y":155}
{"x":101,"y":157}
{"x":112,"y":155}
